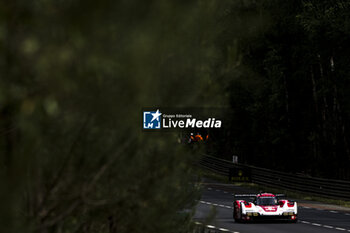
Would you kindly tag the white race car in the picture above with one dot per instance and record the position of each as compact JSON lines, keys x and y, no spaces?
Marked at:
{"x":264,"y":206}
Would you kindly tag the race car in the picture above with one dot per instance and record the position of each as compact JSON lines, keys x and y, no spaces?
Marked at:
{"x":263,"y":206}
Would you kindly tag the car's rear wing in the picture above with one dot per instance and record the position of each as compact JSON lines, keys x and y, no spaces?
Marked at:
{"x":255,"y":194}
{"x":245,"y":195}
{"x":280,"y":195}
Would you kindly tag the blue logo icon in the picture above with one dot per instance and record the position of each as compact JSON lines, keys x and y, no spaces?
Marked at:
{"x":151,"y":120}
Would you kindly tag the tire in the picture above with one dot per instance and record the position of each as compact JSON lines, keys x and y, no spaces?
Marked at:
{"x":235,"y":214}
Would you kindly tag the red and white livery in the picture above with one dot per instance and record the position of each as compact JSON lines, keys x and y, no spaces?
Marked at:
{"x":263,"y":206}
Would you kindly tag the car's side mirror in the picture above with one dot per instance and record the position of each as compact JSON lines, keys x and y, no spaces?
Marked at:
{"x":281,"y":203}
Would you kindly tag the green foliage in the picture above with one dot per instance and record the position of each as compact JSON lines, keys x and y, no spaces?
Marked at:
{"x":288,"y":87}
{"x":75,"y":75}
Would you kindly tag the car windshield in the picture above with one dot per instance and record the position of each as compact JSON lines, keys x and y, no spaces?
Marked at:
{"x":267,"y":201}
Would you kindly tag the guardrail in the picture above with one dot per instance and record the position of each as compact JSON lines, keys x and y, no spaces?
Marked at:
{"x":328,"y":188}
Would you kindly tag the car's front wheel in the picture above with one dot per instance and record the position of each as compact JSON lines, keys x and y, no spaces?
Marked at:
{"x":237,"y":215}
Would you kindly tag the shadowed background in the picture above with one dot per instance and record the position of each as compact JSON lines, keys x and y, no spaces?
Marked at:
{"x":74,"y":76}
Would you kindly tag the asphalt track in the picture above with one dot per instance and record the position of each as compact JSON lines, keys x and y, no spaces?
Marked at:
{"x":215,"y":210}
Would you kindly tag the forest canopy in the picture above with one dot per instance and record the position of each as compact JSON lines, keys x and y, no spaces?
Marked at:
{"x":74,"y":76}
